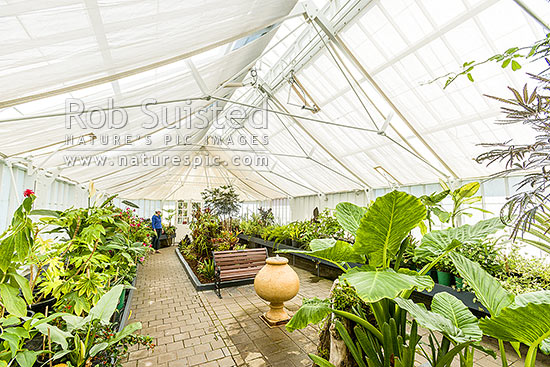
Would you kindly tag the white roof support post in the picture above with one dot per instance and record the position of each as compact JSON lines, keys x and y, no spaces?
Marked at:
{"x":13,"y":184}
{"x":315,"y":191}
{"x":268,"y":180}
{"x":99,"y":31}
{"x":244,"y":183}
{"x":531,"y":13}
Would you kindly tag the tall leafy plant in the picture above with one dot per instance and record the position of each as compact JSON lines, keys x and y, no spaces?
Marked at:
{"x":223,"y":200}
{"x":15,"y":246}
{"x":515,"y":319}
{"x":382,"y":234}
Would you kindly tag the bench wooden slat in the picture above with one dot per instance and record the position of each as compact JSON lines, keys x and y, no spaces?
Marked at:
{"x":230,"y":252}
{"x":239,"y":258}
{"x":242,"y":270}
{"x":222,"y":265}
{"x":231,"y":256}
{"x":238,"y":264}
{"x":240,"y":274}
{"x":241,"y":266}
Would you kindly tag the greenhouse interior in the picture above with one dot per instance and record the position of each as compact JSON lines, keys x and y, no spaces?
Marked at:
{"x":331,"y":183}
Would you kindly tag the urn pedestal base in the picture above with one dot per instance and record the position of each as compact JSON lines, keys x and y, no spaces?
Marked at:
{"x":276,"y":316}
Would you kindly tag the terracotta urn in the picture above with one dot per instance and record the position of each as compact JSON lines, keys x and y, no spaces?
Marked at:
{"x":276,"y":283}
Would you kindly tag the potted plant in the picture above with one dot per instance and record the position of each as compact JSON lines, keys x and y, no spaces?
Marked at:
{"x":444,"y":268}
{"x":170,"y":232}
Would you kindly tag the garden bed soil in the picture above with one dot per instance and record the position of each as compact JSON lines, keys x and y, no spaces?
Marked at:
{"x":199,"y":286}
{"x":194,"y":265}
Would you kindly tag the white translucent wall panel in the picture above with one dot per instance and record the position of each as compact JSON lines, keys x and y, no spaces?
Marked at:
{"x":56,"y":194}
{"x":281,"y":209}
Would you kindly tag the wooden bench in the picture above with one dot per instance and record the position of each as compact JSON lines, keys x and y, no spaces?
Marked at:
{"x":237,"y":265}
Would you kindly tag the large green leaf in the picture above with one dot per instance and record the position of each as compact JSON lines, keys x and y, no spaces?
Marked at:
{"x":319,"y":361}
{"x":435,"y":242}
{"x":460,"y":316}
{"x":23,"y":240}
{"x":45,"y":213}
{"x":130,"y":204}
{"x":106,"y":305}
{"x":532,"y":297}
{"x":74,"y":322}
{"x":349,"y":216}
{"x":428,"y":319}
{"x":535,"y":298}
{"x":24,"y":285}
{"x":128,"y":329}
{"x":467,"y":190}
{"x":92,"y":233}
{"x":26,"y":358}
{"x":98,"y":348}
{"x":387,"y":222}
{"x":313,"y":311}
{"x":7,"y":249}
{"x":488,"y":290}
{"x":527,"y":324}
{"x":57,"y":335}
{"x":330,"y":250}
{"x":14,"y":304}
{"x":461,"y":330}
{"x":434,"y":198}
{"x":374,"y":285}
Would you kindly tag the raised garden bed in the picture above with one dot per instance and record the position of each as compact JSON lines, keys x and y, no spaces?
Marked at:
{"x":328,"y":270}
{"x":199,"y":286}
{"x":122,"y":317}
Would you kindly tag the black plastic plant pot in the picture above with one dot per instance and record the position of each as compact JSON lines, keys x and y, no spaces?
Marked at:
{"x":41,"y":306}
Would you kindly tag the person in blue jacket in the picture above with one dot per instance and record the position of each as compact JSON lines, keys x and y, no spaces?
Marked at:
{"x":157,"y":227}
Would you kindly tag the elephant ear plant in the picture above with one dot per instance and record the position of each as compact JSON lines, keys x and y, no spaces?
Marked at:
{"x":382,"y":234}
{"x":521,"y":319}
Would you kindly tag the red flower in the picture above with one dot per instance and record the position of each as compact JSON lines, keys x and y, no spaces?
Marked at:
{"x":28,"y":192}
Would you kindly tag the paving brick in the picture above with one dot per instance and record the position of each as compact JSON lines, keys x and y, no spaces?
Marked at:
{"x":196,"y":359}
{"x":214,"y":354}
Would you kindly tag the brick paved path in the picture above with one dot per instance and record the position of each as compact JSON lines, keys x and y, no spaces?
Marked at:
{"x":197,"y":328}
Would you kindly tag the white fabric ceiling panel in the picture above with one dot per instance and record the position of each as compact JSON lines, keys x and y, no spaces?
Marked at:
{"x":81,"y":41}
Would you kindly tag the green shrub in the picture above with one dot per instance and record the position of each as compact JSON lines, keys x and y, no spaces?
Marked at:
{"x":207,"y":269}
